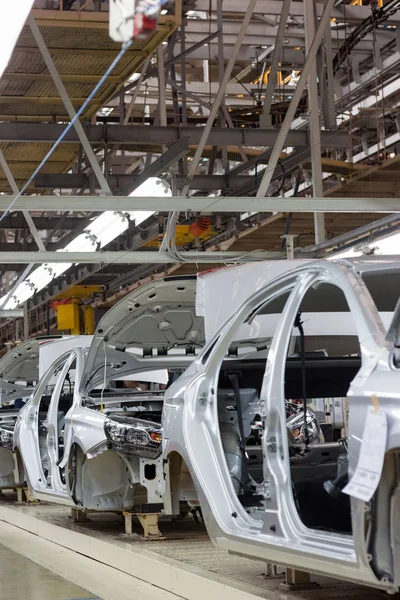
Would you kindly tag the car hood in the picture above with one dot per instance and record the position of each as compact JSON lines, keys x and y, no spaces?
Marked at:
{"x":154,"y":327}
{"x":22,"y":362}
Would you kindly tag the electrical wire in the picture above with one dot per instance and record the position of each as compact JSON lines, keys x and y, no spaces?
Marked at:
{"x":69,"y":126}
{"x":289,"y":217}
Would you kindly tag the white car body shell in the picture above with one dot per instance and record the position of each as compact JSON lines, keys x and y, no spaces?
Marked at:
{"x":271,"y":529}
{"x":153,"y":329}
{"x":19,"y":373}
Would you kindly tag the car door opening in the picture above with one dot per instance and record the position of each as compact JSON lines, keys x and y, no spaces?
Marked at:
{"x":314,"y":389}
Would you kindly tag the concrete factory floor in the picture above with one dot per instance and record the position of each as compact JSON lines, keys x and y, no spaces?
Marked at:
{"x":23,"y":579}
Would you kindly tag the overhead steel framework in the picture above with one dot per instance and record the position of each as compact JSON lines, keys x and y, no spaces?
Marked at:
{"x":198,"y":204}
{"x":137,"y":134}
{"x":222,"y":104}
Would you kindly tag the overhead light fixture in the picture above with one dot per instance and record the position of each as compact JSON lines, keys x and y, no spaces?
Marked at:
{"x":133,"y":77}
{"x":12,"y":19}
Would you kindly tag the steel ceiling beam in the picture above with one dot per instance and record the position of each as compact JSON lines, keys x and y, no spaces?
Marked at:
{"x":17,"y":221}
{"x":294,"y":42}
{"x":160,"y":165}
{"x":205,"y":88}
{"x":128,"y":257}
{"x":294,"y":58}
{"x":257,"y":30}
{"x":141,"y":134}
{"x":68,"y":181}
{"x":202,"y":204}
{"x":14,"y":313}
{"x":350,"y":14}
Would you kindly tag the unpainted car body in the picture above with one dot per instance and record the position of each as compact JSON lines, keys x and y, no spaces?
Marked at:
{"x":19,"y":373}
{"x":87,"y":444}
{"x":287,"y":517}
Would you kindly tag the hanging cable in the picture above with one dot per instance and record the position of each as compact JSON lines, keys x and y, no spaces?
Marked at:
{"x":69,"y":126}
{"x":299,"y":325}
{"x":379,"y":15}
{"x":288,"y":223}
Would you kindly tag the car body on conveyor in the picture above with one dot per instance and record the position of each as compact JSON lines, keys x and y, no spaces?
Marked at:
{"x":90,"y":435}
{"x":300,"y":513}
{"x":19,"y":373}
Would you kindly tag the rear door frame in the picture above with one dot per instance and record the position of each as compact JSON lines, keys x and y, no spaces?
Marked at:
{"x":57,"y":486}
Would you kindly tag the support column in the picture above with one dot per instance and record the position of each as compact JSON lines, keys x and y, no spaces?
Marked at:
{"x":149,"y":522}
{"x":135,"y":94}
{"x":79,"y":515}
{"x":162,"y":107}
{"x":221,"y":69}
{"x":328,"y":90}
{"x":128,"y":522}
{"x":183,"y":70}
{"x":219,"y":96}
{"x":107,"y":163}
{"x":290,"y":241}
{"x":285,"y":128}
{"x":314,"y":121}
{"x":172,"y":70}
{"x":265,"y":117}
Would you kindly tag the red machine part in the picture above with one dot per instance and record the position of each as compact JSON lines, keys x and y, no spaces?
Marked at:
{"x":200,"y":226}
{"x":143,"y":26}
{"x":54,"y":303}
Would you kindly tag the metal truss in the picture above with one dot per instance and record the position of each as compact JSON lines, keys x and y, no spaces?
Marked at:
{"x":270,"y":126}
{"x":208,"y":204}
{"x":12,"y":313}
{"x":138,"y":134}
{"x":137,"y":257}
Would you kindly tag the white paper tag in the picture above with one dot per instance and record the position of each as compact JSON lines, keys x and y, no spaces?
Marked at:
{"x":372,"y":453}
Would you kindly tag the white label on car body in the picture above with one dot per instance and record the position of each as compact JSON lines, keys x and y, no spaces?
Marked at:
{"x":367,"y":475}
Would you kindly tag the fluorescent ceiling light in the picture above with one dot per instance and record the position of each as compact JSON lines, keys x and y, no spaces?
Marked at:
{"x":12,"y":19}
{"x":133,"y":77}
{"x":101,"y":231}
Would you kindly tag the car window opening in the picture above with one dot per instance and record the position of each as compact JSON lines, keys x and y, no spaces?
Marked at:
{"x":317,"y":376}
